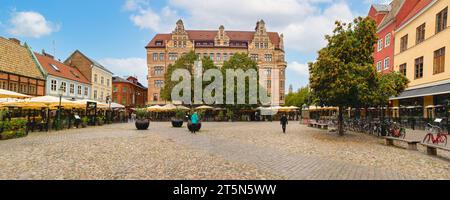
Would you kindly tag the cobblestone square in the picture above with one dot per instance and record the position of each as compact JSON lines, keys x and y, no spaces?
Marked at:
{"x":238,"y":150}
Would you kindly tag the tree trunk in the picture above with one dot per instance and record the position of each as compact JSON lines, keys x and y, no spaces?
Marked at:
{"x":341,"y":122}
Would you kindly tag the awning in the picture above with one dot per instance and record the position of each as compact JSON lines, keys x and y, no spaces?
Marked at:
{"x":426,"y":91}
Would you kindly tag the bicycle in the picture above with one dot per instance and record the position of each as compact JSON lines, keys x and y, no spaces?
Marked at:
{"x":395,"y":130}
{"x":441,"y":136}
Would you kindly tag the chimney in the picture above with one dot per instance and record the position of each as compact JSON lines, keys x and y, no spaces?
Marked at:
{"x":46,"y":54}
{"x":15,"y":40}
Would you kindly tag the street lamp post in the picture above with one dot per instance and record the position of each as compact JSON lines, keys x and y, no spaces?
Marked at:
{"x":60,"y":94}
{"x":108,"y":101}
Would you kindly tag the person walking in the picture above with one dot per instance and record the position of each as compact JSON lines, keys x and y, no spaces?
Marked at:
{"x":194,"y":121}
{"x":283,"y":122}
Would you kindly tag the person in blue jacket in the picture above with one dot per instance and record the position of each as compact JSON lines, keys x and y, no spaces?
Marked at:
{"x":194,"y":121}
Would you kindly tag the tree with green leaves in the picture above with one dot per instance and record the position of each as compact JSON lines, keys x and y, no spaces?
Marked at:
{"x":343,"y":75}
{"x":244,"y":62}
{"x":299,"y":98}
{"x":187,"y":62}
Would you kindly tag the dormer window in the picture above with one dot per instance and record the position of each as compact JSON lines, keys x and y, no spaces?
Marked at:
{"x":159,"y":43}
{"x":54,"y":67}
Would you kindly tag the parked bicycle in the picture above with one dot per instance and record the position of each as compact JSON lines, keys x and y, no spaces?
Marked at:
{"x":439,"y":139}
{"x":396,"y":130}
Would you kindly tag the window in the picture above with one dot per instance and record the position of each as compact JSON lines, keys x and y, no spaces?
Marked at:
{"x":404,"y":43}
{"x":101,"y":95}
{"x":268,"y":72}
{"x":155,"y":56}
{"x":80,"y":90}
{"x":107,"y":82}
{"x":158,"y":70}
{"x":441,"y":20}
{"x":3,"y":85}
{"x":387,"y":63}
{"x":161,"y":56}
{"x":211,"y":56}
{"x":254,"y":57}
{"x":54,"y":67}
{"x":155,"y":97}
{"x":159,"y":83}
{"x":95,"y":78}
{"x":124,"y":89}
{"x":23,"y":88}
{"x":86,"y":91}
{"x":72,"y":88}
{"x":420,"y":34}
{"x":225,"y":56}
{"x":403,"y":69}
{"x":218,"y":57}
{"x":32,"y":89}
{"x":102,"y":80}
{"x":387,"y":40}
{"x":439,"y":61}
{"x":13,"y":87}
{"x":159,"y":43}
{"x":379,"y":66}
{"x":115,"y":89}
{"x":418,"y":67}
{"x":64,"y":87}
{"x":124,"y":100}
{"x":257,"y":45}
{"x":53,"y":86}
{"x":173,"y":56}
{"x":95,"y":94}
{"x":268,"y":57}
{"x":380,"y":45}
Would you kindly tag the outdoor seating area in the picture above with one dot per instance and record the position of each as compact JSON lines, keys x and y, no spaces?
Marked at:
{"x":21,"y":114}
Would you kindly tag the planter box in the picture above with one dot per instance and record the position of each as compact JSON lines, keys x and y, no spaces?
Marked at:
{"x":142,"y":124}
{"x":177,"y":123}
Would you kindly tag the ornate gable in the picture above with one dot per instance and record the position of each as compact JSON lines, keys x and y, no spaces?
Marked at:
{"x":261,"y":39}
{"x":180,"y":37}
{"x":221,"y":38}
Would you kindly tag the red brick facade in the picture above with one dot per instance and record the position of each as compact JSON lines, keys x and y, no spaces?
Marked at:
{"x":129,"y":92}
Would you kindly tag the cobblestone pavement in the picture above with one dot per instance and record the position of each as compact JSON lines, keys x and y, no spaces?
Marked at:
{"x":220,"y":151}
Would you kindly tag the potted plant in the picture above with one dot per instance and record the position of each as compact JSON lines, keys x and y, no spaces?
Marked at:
{"x":142,"y":121}
{"x":84,"y":122}
{"x":230,"y":115}
{"x":177,"y":121}
{"x":100,"y":120}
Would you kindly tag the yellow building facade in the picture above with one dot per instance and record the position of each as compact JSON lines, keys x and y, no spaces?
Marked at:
{"x":422,"y":54}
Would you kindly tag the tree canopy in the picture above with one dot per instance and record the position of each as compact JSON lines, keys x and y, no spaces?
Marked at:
{"x":299,"y":98}
{"x":344,"y":74}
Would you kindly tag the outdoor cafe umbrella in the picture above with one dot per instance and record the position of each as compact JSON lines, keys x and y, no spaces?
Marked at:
{"x":117,"y":106}
{"x":204,"y":107}
{"x":42,"y":102}
{"x":169,"y":107}
{"x":183,"y":108}
{"x":155,"y":108}
{"x":11,"y":94}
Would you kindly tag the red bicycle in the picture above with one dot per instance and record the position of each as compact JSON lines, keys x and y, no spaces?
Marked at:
{"x":439,"y":139}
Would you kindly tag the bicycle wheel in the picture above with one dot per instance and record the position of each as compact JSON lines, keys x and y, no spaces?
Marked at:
{"x":443,"y":140}
{"x":428,"y":138}
{"x":402,"y":133}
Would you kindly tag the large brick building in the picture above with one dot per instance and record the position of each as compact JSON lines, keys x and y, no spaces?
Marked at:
{"x":129,"y":92}
{"x":266,"y":48}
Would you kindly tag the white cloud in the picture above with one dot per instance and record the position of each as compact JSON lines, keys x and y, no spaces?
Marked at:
{"x":303,"y":22}
{"x":299,"y":68}
{"x":31,"y":24}
{"x":127,"y":67}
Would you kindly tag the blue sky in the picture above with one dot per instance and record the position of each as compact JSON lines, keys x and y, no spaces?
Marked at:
{"x":114,"y":32}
